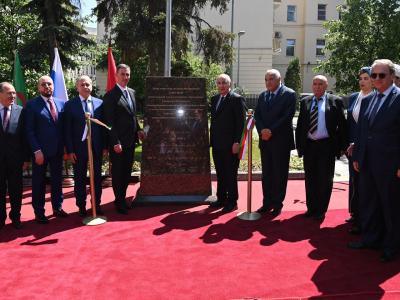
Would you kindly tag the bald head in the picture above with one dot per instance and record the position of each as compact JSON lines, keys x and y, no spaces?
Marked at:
{"x":46,"y":86}
{"x":319,"y":85}
{"x":7,"y":94}
{"x":272,"y":80}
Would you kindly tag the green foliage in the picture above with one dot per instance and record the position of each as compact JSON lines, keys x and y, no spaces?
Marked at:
{"x":139,"y":30}
{"x":367,"y":30}
{"x":292,"y":77}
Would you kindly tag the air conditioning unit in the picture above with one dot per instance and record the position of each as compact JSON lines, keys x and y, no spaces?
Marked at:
{"x":278,"y":35}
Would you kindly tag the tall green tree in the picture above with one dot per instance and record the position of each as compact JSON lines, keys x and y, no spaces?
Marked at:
{"x":139,"y":30}
{"x":367,"y":30}
{"x":60,"y":26}
{"x":292,"y":76}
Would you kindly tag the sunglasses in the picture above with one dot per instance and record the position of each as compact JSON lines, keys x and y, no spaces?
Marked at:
{"x":380,"y":75}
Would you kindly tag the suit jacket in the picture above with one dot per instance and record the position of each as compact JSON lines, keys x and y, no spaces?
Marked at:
{"x":277,"y":116}
{"x":122,"y":120}
{"x":41,"y":130}
{"x":334,"y":119}
{"x":75,"y":122}
{"x":382,"y":136}
{"x":227,"y":123}
{"x":351,"y":123}
{"x":13,"y":142}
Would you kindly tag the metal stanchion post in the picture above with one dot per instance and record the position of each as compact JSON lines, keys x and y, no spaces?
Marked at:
{"x":248,"y":215}
{"x":94,"y":219}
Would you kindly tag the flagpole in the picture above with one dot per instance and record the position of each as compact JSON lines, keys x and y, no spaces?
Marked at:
{"x":248,"y":215}
{"x":94,"y":219}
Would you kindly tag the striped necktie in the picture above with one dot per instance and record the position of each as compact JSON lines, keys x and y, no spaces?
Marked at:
{"x":314,"y":117}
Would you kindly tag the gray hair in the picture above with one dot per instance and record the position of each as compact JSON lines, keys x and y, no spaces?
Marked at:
{"x":386,"y":62}
{"x":273,"y":72}
{"x":2,"y":84}
{"x":83,"y":77}
{"x":123,"y":66}
{"x":225,"y":77}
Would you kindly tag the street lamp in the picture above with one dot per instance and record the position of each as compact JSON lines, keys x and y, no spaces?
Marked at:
{"x":240,"y":33}
{"x":232,"y":38}
{"x":167,"y":61}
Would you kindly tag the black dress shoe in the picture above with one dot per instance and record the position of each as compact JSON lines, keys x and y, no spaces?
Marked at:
{"x":42,"y":219}
{"x":16,"y":224}
{"x":99,"y":212}
{"x":263,"y":209}
{"x":229,"y":207}
{"x":122,"y":210}
{"x":319,"y":218}
{"x":387,"y":256}
{"x":216,"y":204}
{"x":360,"y":245}
{"x":82,"y":212}
{"x":355,"y":230}
{"x":60,"y":213}
{"x":276,"y":212}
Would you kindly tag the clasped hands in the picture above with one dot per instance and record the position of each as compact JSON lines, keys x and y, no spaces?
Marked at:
{"x":266,"y":134}
{"x":141,"y":135}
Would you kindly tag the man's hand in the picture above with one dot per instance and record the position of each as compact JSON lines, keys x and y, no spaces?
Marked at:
{"x":349,"y":150}
{"x":357,"y":167}
{"x":117,"y":148}
{"x":398,"y":173}
{"x":72,"y":157}
{"x":266,"y":134}
{"x":25,"y":165}
{"x":141,"y":135}
{"x":39,"y":158}
{"x":235,"y":148}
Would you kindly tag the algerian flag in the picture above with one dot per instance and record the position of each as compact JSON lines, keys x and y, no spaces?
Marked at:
{"x":19,"y":81}
{"x":244,"y":140}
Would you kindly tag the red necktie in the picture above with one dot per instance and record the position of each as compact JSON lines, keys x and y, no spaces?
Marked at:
{"x":53,"y":110}
{"x":6,"y":118}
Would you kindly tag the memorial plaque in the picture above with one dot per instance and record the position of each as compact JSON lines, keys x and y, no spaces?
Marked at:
{"x":175,"y":156}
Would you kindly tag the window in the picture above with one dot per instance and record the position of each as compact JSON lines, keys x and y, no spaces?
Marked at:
{"x":320,"y":47}
{"x":290,"y":44}
{"x":291,"y":13}
{"x":321,"y":12}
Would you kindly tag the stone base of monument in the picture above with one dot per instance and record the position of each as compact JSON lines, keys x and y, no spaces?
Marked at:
{"x":175,"y":198}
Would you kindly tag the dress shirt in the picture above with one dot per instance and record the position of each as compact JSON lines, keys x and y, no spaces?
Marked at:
{"x":386,"y":93}
{"x":321,"y":132}
{"x":357,"y":105}
{"x":2,"y":113}
{"x":89,"y":103}
{"x":129,"y":100}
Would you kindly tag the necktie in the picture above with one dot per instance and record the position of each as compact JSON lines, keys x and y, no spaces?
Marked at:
{"x":271,"y":97}
{"x":374,"y":109}
{"x":6,"y":118}
{"x":314,"y":117}
{"x":53,"y":110}
{"x":219,"y":104}
{"x":128,"y":99}
{"x":86,"y":105}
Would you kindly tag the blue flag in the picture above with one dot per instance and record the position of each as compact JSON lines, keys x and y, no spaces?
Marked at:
{"x":57,"y":75}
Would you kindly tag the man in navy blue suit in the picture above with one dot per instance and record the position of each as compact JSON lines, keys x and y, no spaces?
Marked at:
{"x":76,"y":144}
{"x":376,"y":156}
{"x":274,"y":114}
{"x":13,"y":153}
{"x":44,"y":129}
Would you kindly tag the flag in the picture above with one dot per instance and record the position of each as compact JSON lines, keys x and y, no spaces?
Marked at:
{"x":244,"y":140}
{"x":57,"y":75}
{"x":112,"y":71}
{"x":19,"y":81}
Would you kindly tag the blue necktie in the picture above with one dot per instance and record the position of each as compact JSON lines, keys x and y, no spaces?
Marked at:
{"x":314,"y":117}
{"x":374,"y":109}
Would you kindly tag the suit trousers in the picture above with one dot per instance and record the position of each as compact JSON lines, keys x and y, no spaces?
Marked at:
{"x":11,"y":181}
{"x":319,"y":168}
{"x":379,"y":210}
{"x":121,"y":173}
{"x":226,"y":167}
{"x":275,"y":170}
{"x":55,"y":164}
{"x":80,"y":178}
{"x":353,"y":191}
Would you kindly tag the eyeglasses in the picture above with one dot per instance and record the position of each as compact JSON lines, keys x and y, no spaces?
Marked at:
{"x":380,"y":75}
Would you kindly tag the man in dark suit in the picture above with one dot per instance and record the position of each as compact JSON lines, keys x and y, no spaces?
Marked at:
{"x":44,"y":129}
{"x":227,"y":122}
{"x":120,"y":109}
{"x":13,"y":154}
{"x":76,"y":141}
{"x":376,"y":156}
{"x":320,"y":137}
{"x":274,"y":114}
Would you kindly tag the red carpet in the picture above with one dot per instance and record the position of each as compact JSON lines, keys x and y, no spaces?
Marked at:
{"x":192,"y":252}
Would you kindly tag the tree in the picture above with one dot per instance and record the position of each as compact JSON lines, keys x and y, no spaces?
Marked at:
{"x":367,"y":30}
{"x":60,"y":26}
{"x":292,"y":77}
{"x":139,"y":29}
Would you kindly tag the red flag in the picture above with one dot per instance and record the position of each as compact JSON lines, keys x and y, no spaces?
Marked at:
{"x":112,"y":71}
